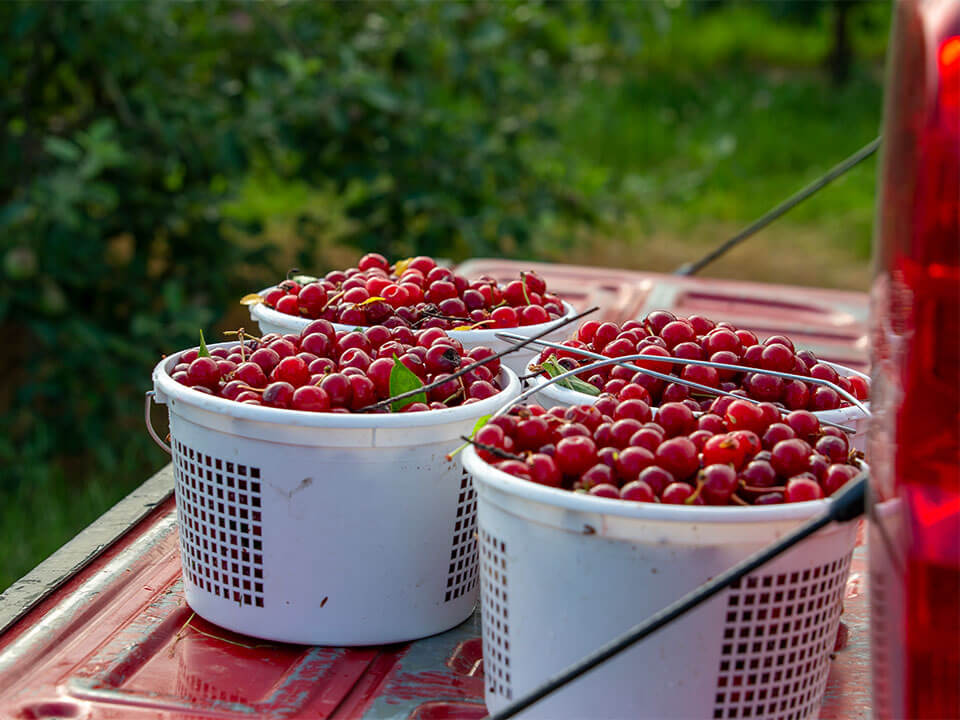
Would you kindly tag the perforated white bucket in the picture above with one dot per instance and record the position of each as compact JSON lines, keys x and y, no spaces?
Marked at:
{"x":563,"y":573}
{"x":851,"y":416}
{"x":272,"y":321}
{"x":324,"y":528}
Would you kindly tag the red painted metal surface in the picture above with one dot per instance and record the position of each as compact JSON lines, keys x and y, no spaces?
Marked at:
{"x":119,"y":641}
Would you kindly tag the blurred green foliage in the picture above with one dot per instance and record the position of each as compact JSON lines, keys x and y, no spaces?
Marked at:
{"x":151,"y":149}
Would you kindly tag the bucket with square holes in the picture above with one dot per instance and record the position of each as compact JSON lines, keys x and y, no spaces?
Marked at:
{"x":323,"y":528}
{"x":563,"y":573}
{"x":273,"y":321}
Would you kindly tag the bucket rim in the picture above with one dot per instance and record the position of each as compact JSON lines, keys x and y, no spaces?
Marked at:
{"x":166,"y":387}
{"x":485,"y":474}
{"x":259,"y":312}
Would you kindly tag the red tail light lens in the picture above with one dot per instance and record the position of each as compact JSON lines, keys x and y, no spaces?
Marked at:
{"x":915,"y":438}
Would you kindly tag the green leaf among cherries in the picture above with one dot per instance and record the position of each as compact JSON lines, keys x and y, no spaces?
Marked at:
{"x":553,"y":368}
{"x":403,"y":380}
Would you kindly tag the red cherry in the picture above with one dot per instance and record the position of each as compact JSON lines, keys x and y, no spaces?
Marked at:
{"x":311,"y":399}
{"x":678,"y":456}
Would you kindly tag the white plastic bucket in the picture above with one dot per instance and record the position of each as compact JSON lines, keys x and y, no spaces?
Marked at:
{"x":323,"y":528}
{"x":554,"y":395}
{"x":564,"y":573}
{"x":272,"y":321}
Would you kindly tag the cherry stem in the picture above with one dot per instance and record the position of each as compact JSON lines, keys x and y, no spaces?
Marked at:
{"x":496,"y":356}
{"x":333,"y":299}
{"x":441,"y":316}
{"x":523,"y":284}
{"x":493,"y":449}
{"x":739,"y":500}
{"x":291,"y":271}
{"x":763,"y":490}
{"x":696,"y":493}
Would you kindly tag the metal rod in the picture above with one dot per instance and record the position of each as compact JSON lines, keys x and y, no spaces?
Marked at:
{"x":708,"y":363}
{"x":653,"y":373}
{"x":836,"y":171}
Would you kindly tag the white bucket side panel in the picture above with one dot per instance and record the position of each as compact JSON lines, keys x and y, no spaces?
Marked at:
{"x":323,"y":545}
{"x":551,"y":596}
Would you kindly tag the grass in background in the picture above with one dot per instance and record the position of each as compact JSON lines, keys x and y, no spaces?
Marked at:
{"x":717,"y":120}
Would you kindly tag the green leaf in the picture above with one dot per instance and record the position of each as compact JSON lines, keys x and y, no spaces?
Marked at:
{"x":573,"y":383}
{"x":402,"y":380}
{"x":304,"y":279}
{"x":203,"y":352}
{"x":62,"y":149}
{"x":480,"y":423}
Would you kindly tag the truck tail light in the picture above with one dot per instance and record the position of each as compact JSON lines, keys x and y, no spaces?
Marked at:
{"x":915,"y":437}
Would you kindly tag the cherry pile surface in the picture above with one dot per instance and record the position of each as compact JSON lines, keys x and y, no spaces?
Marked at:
{"x":324,"y":370}
{"x":416,"y":293}
{"x":663,"y":334}
{"x":740,"y":453}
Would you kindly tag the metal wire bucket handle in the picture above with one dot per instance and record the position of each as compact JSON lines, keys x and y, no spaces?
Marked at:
{"x":150,"y":429}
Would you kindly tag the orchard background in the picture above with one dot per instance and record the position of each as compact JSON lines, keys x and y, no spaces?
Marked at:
{"x":159,"y":160}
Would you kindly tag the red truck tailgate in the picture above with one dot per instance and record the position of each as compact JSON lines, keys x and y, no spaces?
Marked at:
{"x":102,"y":630}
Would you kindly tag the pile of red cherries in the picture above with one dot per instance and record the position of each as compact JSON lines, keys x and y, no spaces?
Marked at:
{"x":416,"y":293}
{"x":663,"y":334}
{"x":739,"y":453}
{"x":325,"y":370}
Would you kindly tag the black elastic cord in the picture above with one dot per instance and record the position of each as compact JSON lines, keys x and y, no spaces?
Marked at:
{"x":862,"y":154}
{"x":847,"y":504}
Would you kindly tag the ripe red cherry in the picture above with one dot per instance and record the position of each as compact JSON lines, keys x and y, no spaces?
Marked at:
{"x":533,"y":315}
{"x":203,"y":371}
{"x":338,"y":388}
{"x":288,"y":305}
{"x":278,"y":395}
{"x":291,"y":370}
{"x":363,"y":392}
{"x":543,"y":470}
{"x":631,"y":461}
{"x":607,"y":490}
{"x":721,"y":339}
{"x":310,"y":398}
{"x":656,"y":477}
{"x":373,"y":260}
{"x":637,"y":491}
{"x":777,"y":432}
{"x":833,"y":448}
{"x":677,"y":494}
{"x":647,"y":438}
{"x":678,"y":456}
{"x":658,"y":319}
{"x":724,"y":449}
{"x":801,"y":489}
{"x":575,"y":454}
{"x":743,"y":415}
{"x":504,"y":317}
{"x":676,"y":332}
{"x":717,"y":484}
{"x":777,"y":357}
{"x":836,"y":476}
{"x":759,"y":474}
{"x":789,"y":457}
{"x":824,"y":398}
{"x":676,"y":419}
{"x":804,"y":423}
{"x":598,"y":474}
